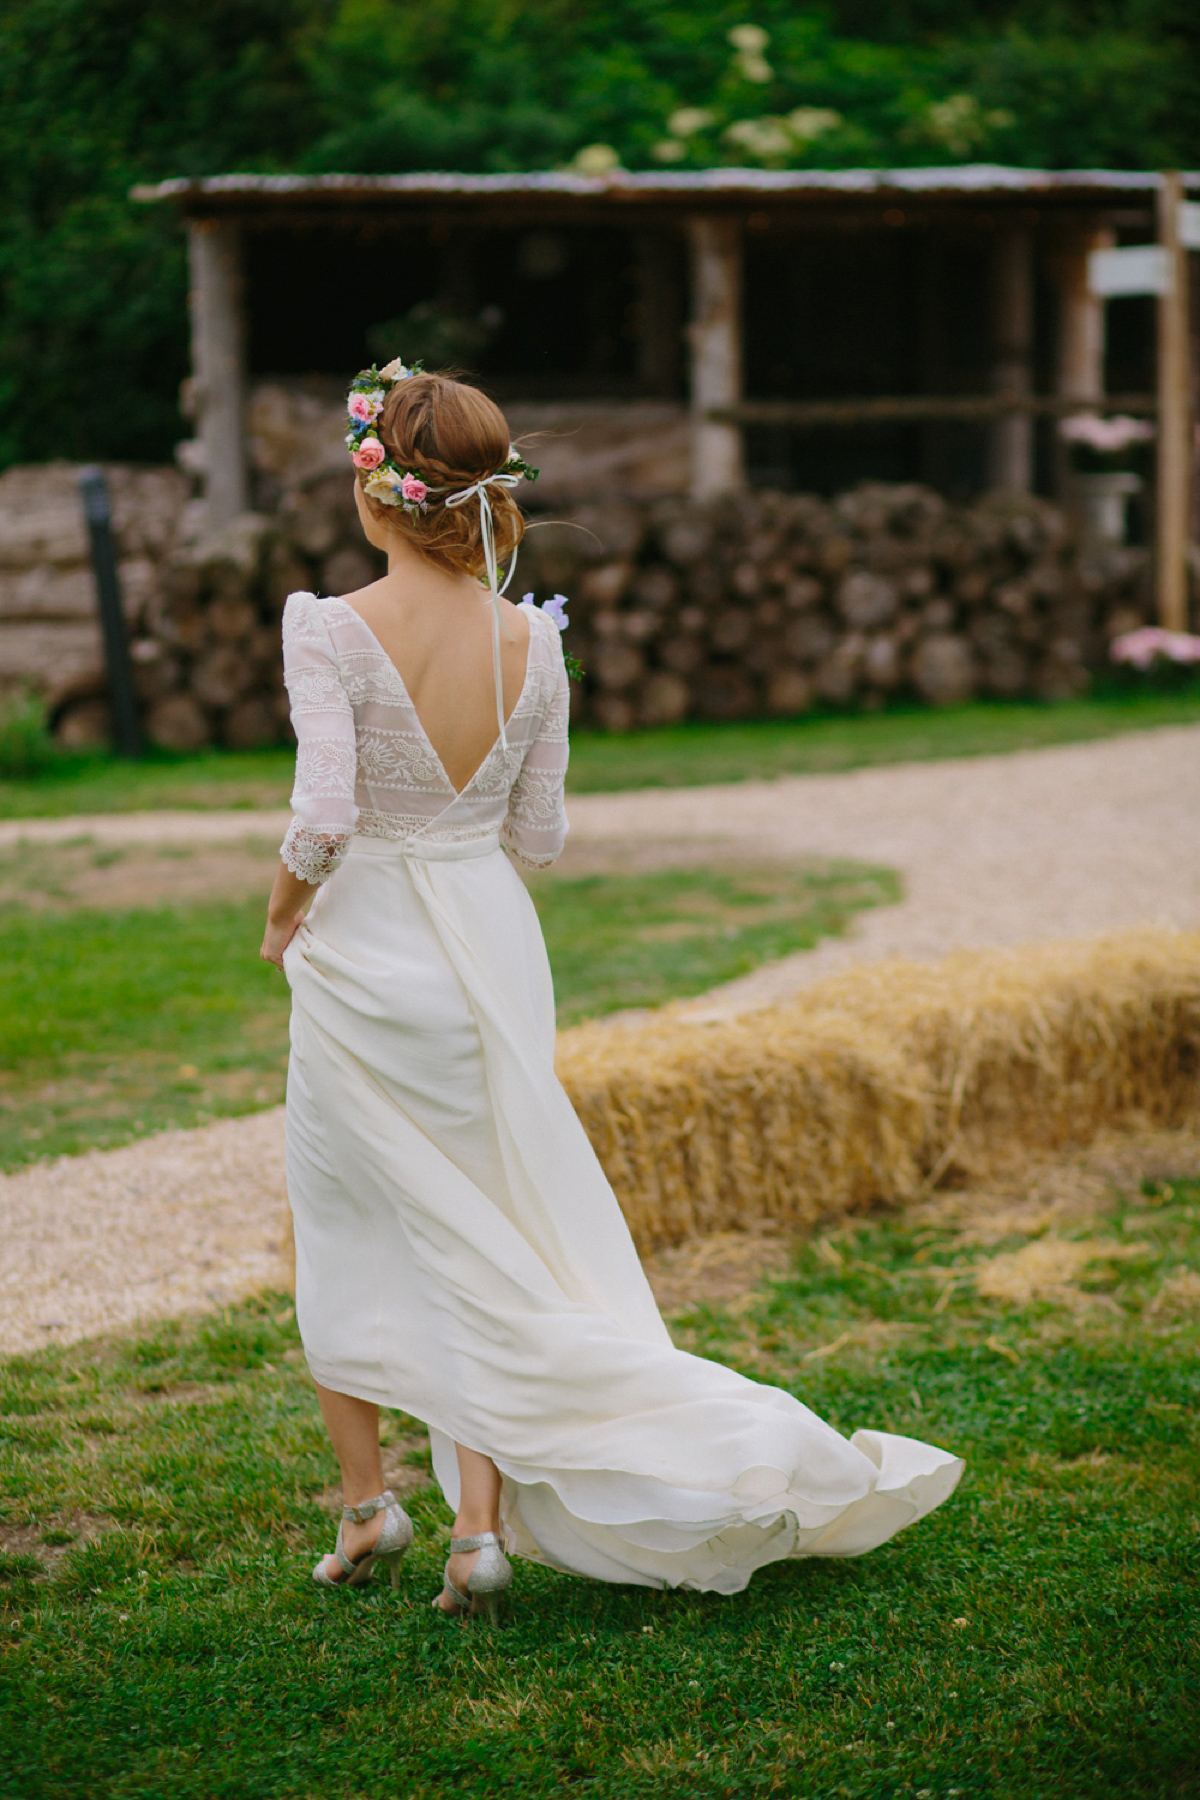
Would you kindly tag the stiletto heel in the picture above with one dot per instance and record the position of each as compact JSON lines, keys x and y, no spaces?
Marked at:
{"x":388,"y":1548}
{"x":487,"y":1583}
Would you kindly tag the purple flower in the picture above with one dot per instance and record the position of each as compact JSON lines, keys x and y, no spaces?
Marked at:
{"x":555,"y":609}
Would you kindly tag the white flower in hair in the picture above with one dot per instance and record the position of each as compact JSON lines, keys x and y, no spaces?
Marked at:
{"x":385,"y":485}
{"x":395,"y":370}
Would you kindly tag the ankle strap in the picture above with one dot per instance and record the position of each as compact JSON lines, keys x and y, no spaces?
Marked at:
{"x":478,"y":1542}
{"x":366,"y":1509}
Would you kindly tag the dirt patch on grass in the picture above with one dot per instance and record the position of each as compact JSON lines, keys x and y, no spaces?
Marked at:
{"x":50,"y":1538}
{"x":87,"y":872}
{"x":637,"y":856}
{"x":716,"y":1271}
{"x":114,"y":877}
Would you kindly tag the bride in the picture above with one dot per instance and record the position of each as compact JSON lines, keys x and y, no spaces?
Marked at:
{"x":459,"y":1252}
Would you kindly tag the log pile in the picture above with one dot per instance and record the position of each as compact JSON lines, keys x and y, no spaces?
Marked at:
{"x":49,"y":635}
{"x":778,"y":603}
{"x":211,"y":668}
{"x":766,"y":604}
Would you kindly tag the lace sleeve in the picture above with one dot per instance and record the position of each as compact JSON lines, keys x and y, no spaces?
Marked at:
{"x":326,"y":759}
{"x":535,"y":827}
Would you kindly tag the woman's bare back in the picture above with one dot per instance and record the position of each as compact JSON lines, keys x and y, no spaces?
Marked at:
{"x":436,"y":627}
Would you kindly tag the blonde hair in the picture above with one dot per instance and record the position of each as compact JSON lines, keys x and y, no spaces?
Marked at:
{"x":452,"y":435}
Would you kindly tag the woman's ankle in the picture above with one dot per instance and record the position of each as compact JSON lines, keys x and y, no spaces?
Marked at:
{"x":472,"y":1525}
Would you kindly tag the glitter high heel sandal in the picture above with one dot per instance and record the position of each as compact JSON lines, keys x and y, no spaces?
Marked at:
{"x":488,"y":1581}
{"x":389,"y":1546}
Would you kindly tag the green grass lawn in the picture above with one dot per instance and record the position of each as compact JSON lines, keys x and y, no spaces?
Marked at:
{"x":677,"y":756}
{"x":637,"y":940}
{"x":1036,"y":1639}
{"x":116,"y":1024}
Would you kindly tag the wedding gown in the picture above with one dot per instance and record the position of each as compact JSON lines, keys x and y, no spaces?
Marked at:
{"x":460,"y":1254}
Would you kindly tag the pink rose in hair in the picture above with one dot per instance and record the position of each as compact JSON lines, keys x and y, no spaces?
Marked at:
{"x":365,"y":407}
{"x":369,"y":454}
{"x":413,"y":490}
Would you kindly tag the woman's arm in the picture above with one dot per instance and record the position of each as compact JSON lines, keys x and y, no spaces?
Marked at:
{"x":535,"y":827}
{"x":286,"y":908}
{"x":326,"y":760}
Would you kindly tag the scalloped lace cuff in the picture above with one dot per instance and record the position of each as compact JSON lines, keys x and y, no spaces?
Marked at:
{"x":313,"y":852}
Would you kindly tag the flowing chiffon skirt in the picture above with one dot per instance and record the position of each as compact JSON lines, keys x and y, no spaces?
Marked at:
{"x":460,"y":1255}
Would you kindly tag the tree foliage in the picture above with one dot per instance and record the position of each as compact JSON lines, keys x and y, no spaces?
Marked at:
{"x":484,"y":84}
{"x":98,"y":94}
{"x":95,"y":95}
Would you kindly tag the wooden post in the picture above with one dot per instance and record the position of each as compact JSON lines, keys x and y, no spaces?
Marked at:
{"x":1079,"y":374}
{"x":715,"y":335}
{"x":1010,"y":464}
{"x":219,"y":363}
{"x":1174,"y":417}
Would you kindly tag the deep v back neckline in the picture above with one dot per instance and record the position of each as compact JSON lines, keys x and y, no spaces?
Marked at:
{"x":411,"y":704}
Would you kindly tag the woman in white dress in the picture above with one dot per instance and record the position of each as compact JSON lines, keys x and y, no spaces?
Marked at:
{"x":459,"y":1252}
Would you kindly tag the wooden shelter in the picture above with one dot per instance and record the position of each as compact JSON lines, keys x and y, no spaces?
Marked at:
{"x":804,"y":328}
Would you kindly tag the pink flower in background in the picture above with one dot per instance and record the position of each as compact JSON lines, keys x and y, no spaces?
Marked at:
{"x":1140,"y":648}
{"x":414,"y":490}
{"x":365,"y":407}
{"x":1106,"y":434}
{"x":369,"y":454}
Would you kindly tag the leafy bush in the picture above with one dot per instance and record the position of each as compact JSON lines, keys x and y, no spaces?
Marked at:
{"x":26,"y":747}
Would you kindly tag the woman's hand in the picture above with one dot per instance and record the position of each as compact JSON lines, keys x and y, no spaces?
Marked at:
{"x":285,"y":914}
{"x":278,"y":936}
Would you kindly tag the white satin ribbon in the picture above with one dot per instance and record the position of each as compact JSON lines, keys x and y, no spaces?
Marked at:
{"x":495,"y":588}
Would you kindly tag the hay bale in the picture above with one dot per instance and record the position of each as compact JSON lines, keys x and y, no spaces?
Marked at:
{"x":871,"y":1086}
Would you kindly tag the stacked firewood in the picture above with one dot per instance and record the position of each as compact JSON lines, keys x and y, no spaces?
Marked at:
{"x":208,"y":664}
{"x":764,"y":603}
{"x":777,"y":603}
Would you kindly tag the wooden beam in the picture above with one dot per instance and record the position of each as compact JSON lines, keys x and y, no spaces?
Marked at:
{"x":219,"y":365}
{"x":1010,"y":457}
{"x":715,"y":337}
{"x":875,"y":408}
{"x":1174,"y":463}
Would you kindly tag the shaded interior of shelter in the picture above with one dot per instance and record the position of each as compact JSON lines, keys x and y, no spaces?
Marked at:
{"x":561,"y":309}
{"x":581,"y":312}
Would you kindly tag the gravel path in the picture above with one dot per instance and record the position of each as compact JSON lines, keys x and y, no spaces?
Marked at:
{"x":183,"y":1220}
{"x":1041,"y":844}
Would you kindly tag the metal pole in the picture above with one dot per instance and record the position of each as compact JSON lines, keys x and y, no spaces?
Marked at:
{"x":97,"y":511}
{"x":1174,"y":412}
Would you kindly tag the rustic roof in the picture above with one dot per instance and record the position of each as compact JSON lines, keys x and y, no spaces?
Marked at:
{"x":975,"y":180}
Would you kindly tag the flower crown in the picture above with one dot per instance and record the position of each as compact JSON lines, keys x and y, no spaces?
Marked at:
{"x":385,"y":480}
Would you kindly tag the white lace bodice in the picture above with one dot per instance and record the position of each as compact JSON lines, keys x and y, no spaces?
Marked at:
{"x":364,"y":763}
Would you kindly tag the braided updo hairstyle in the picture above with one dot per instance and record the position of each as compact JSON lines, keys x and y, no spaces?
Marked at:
{"x":455,"y":436}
